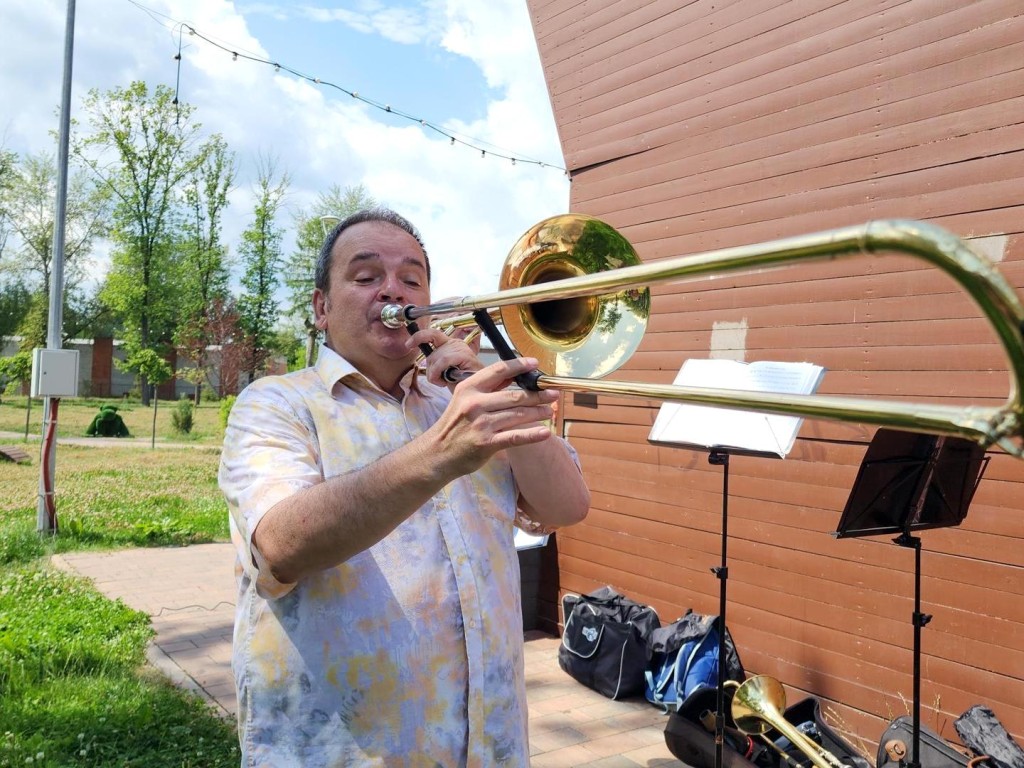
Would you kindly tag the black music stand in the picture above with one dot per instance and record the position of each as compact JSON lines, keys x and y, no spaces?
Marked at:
{"x":718,"y":455}
{"x":912,"y":482}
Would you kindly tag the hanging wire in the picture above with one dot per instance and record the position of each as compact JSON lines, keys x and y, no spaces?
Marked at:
{"x":177,"y":80}
{"x":278,"y":67}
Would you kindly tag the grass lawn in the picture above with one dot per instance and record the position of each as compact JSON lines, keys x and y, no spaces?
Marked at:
{"x":75,"y":414}
{"x":73,"y":687}
{"x":112,"y":497}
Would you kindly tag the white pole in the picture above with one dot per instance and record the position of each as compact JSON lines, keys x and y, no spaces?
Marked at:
{"x":46,"y":520}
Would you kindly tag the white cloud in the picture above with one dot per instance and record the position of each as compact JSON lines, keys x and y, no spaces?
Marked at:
{"x":407,"y":24}
{"x":470,"y":209}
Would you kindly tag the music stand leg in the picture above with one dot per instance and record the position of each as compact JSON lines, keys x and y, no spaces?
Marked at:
{"x":920,"y":620}
{"x":720,"y":458}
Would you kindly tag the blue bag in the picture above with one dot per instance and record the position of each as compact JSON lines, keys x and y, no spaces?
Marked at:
{"x":684,"y":658}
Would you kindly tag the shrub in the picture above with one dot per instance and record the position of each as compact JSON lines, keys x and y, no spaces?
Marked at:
{"x":225,"y":410}
{"x":182,"y":416}
{"x":107,"y":423}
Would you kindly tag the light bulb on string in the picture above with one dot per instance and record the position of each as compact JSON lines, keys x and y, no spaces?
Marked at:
{"x":192,"y":31}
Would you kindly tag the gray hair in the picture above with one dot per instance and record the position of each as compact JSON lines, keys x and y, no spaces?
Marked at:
{"x":322,"y":275}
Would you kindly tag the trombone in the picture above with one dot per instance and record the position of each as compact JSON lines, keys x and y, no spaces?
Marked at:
{"x":573,"y":294}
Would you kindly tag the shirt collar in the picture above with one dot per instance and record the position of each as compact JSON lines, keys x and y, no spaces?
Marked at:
{"x":332,"y":369}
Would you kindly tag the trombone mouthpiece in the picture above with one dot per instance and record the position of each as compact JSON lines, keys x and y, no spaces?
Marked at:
{"x":393,"y":316}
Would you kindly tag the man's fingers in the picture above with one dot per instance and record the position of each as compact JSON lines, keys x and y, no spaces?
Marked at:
{"x":502,"y":374}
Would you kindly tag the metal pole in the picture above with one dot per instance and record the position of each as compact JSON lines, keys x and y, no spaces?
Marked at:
{"x":46,"y":520}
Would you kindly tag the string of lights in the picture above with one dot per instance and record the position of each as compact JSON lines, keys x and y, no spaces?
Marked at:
{"x":237,"y":53}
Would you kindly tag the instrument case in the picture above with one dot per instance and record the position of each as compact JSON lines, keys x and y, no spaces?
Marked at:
{"x":693,"y":744}
{"x":897,"y":743}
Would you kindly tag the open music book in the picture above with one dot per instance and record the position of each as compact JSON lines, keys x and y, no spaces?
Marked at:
{"x":728,"y":429}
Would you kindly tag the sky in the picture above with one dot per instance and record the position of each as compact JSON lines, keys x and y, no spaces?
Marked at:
{"x":469,"y":67}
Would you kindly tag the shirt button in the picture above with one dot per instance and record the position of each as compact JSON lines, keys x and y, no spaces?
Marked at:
{"x":472,"y":623}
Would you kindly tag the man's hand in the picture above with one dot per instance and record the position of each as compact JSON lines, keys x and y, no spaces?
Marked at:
{"x":487,"y":415}
{"x":449,"y":352}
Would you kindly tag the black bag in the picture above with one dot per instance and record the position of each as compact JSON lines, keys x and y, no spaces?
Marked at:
{"x":980,"y":729}
{"x":896,"y":746}
{"x":604,"y":644}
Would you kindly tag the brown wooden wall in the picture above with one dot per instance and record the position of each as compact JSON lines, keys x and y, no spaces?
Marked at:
{"x":696,"y":125}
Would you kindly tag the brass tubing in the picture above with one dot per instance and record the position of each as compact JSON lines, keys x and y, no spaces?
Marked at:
{"x":997,"y":300}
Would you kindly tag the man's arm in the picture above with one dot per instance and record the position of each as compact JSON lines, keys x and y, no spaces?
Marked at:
{"x":326,"y":524}
{"x":551,"y":487}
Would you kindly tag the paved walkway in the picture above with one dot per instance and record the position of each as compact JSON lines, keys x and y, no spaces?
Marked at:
{"x":189,"y":593}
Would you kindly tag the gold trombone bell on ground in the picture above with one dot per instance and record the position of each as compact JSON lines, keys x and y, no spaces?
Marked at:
{"x":574,"y":295}
{"x":759,"y":704}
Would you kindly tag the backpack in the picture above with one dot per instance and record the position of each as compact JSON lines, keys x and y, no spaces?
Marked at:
{"x":684,"y":658}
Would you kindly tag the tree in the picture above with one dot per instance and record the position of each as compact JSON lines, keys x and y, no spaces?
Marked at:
{"x":309,"y":236}
{"x":14,"y":371}
{"x":32,"y":329}
{"x":149,"y":367}
{"x":14,"y":374}
{"x":8,"y":161}
{"x":260,"y":251}
{"x":31,"y":209}
{"x":225,"y":331}
{"x":15,"y":298}
{"x":143,"y":148}
{"x":204,"y":273}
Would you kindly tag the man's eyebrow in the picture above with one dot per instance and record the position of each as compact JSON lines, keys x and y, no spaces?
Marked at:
{"x":374,"y":256}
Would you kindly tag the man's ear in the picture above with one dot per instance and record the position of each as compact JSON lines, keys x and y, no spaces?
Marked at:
{"x":321,"y":306}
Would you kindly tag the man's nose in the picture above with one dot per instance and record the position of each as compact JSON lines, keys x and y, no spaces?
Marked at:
{"x":392,"y":289}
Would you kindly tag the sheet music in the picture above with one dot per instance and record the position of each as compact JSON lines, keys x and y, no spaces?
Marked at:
{"x":747,"y":431}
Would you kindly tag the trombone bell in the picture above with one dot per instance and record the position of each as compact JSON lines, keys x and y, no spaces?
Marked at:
{"x":758,"y":705}
{"x":585,"y":336}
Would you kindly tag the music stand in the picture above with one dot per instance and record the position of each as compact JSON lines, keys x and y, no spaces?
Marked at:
{"x":912,"y":482}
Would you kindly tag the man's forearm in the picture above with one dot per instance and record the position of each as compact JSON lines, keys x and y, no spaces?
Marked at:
{"x":550,"y":483}
{"x":326,"y":524}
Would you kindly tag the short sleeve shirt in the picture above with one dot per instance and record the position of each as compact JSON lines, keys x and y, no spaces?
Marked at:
{"x":410,"y":652}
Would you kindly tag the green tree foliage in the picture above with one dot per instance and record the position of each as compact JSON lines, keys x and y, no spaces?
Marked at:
{"x":151,"y":369}
{"x":146,"y":362}
{"x":204,"y":268}
{"x":15,"y":371}
{"x":8,"y":161}
{"x":15,"y":298}
{"x":31,"y":208}
{"x":144,"y":148}
{"x":309,"y":236}
{"x":32,"y":328}
{"x":30,"y":205}
{"x":260,"y":251}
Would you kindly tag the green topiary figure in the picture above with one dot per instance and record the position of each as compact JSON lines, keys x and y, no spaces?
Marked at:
{"x":107,"y":423}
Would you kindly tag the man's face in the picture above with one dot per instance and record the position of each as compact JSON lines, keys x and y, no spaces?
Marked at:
{"x":373,"y":263}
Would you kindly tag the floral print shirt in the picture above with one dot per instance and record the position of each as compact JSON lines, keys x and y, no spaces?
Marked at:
{"x":411,"y":652}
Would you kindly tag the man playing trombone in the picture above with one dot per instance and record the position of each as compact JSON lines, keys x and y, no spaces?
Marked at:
{"x":372,"y":508}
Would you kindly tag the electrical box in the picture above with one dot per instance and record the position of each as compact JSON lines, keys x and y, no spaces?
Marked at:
{"x":54,"y":372}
